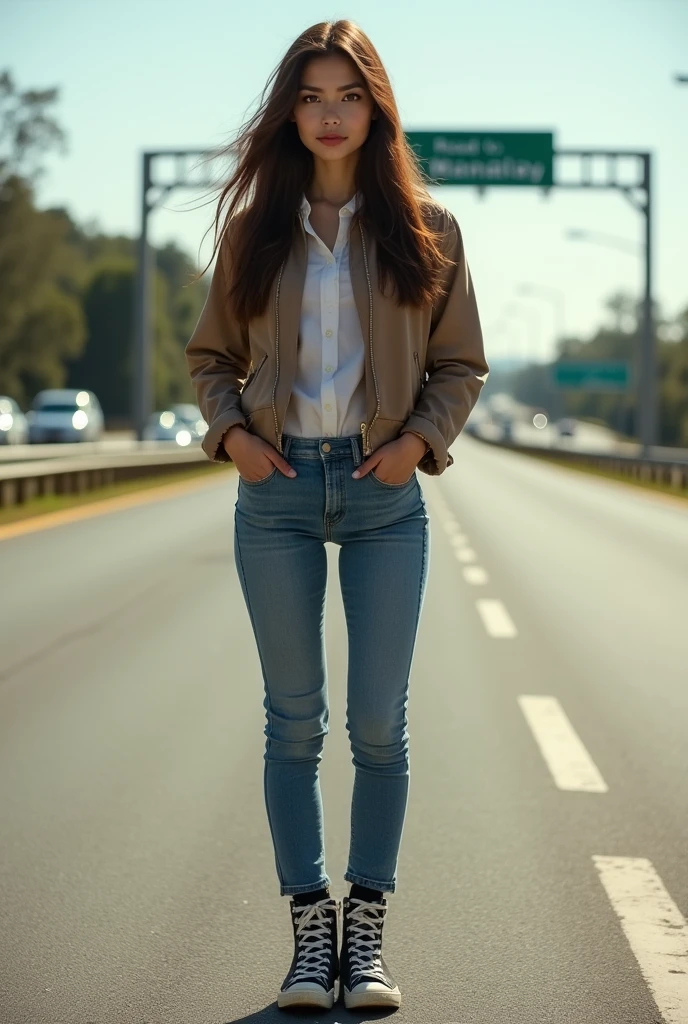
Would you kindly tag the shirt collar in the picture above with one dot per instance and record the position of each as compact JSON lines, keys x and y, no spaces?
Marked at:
{"x":348,"y":208}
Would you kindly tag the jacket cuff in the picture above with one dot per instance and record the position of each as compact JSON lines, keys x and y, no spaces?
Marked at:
{"x":437,"y":459}
{"x":212,"y":440}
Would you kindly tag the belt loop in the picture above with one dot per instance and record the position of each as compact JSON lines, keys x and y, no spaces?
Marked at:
{"x":286,"y":448}
{"x":356,"y":450}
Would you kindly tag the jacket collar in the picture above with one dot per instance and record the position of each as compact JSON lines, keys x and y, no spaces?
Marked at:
{"x":348,"y":208}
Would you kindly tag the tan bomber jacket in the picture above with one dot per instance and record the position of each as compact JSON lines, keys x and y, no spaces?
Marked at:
{"x":424,"y":367}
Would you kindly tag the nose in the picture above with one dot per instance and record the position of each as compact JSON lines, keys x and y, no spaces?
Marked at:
{"x":331,"y":117}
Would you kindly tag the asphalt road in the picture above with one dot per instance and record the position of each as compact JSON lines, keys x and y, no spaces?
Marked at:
{"x":543,"y":877}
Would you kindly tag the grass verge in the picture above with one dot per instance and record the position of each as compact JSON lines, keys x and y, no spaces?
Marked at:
{"x":58,"y":502}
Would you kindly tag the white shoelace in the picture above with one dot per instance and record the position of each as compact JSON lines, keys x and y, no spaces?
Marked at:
{"x":364,"y":939}
{"x":314,"y":932}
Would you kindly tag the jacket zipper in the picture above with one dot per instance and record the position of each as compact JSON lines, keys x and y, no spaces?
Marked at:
{"x":278,"y":434}
{"x":421,"y":376}
{"x":365,"y":428}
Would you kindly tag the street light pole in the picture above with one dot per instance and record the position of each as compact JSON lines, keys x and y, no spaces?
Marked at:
{"x":532,"y":324}
{"x":648,"y":384}
{"x":556,"y":298}
{"x":646,"y":362}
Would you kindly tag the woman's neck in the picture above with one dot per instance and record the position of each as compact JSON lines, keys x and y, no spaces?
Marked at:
{"x":333,"y":181}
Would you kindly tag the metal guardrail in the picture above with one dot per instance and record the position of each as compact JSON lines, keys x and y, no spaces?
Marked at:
{"x":669,"y":470}
{"x":22,"y":481}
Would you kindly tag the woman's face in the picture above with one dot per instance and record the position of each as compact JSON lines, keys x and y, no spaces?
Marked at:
{"x":334,"y":108}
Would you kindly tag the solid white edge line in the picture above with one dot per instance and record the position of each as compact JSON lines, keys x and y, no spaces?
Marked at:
{"x":655,"y":928}
{"x":569,"y":762}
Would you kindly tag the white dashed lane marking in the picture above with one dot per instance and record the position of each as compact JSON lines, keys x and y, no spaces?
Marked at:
{"x":655,"y":928}
{"x":569,"y":762}
{"x":475,"y":574}
{"x":494,"y":615}
{"x":496,"y":618}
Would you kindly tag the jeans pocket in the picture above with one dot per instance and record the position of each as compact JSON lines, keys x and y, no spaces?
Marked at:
{"x":259,"y":483}
{"x":391,"y":487}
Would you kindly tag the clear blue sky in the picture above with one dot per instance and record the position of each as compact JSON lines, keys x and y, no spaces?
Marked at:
{"x":138,"y":74}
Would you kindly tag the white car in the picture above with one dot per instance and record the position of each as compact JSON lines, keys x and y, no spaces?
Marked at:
{"x":14,"y":428}
{"x":65,"y":414}
{"x":190,"y":416}
{"x":165,"y":426}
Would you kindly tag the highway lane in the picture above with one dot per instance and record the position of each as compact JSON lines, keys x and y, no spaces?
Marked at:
{"x":138,"y":882}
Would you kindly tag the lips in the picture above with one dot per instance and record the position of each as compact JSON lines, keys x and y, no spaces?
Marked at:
{"x":331,"y":140}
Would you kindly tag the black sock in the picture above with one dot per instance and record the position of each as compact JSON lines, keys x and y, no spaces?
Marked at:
{"x":306,"y":899}
{"x":360,"y":892}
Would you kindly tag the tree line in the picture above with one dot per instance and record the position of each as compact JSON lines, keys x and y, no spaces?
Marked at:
{"x":67,"y":291}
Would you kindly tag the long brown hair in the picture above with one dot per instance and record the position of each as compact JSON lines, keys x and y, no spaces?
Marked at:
{"x":274,"y":169}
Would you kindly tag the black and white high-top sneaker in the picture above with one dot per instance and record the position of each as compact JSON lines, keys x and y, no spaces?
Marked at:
{"x":315,"y":966}
{"x":366,"y":980}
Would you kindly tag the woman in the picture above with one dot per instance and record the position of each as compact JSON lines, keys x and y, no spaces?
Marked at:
{"x":339,"y":349}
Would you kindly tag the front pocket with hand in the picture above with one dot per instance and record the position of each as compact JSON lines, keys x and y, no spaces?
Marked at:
{"x":263,"y":480}
{"x":382,"y":483}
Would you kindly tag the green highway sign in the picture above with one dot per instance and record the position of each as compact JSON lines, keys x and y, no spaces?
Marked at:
{"x":593,"y":376}
{"x":482,"y":158}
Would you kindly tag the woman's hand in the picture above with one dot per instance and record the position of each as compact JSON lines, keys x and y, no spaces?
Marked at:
{"x":253,"y":457}
{"x":395,"y":462}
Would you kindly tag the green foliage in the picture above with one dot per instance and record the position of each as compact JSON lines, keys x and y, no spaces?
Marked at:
{"x":67,"y":291}
{"x":27,"y":130}
{"x":41,"y":324}
{"x":104,"y":366}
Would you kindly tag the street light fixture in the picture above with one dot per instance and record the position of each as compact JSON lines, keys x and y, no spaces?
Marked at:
{"x":599,"y":238}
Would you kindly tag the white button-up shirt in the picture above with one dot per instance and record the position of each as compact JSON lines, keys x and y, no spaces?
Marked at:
{"x":328,"y":395}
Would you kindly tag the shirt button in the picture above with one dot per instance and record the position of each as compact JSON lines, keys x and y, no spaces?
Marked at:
{"x":328,"y":406}
{"x":326,"y":447}
{"x":328,"y":333}
{"x":328,"y":368}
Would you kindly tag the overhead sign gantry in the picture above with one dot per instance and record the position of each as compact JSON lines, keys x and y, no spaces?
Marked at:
{"x":477,"y":159}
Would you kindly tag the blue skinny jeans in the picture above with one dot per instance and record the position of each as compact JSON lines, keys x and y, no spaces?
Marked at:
{"x":382,"y":530}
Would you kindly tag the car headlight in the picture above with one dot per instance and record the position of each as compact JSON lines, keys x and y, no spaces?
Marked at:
{"x":6,"y":421}
{"x":183,"y":438}
{"x":79,"y":419}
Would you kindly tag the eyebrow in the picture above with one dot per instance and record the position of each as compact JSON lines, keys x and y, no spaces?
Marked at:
{"x":340,"y":88}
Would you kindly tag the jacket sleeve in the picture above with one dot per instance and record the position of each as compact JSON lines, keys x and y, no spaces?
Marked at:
{"x":218,"y":359}
{"x":455,"y":360}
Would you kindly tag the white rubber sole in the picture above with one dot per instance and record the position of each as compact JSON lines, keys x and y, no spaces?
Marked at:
{"x":316,"y":999}
{"x":369,"y":1000}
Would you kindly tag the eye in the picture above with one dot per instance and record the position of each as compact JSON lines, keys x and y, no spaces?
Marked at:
{"x":354,"y":96}
{"x":307,"y":99}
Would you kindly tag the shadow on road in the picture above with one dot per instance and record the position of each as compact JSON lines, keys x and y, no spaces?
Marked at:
{"x":273,"y":1015}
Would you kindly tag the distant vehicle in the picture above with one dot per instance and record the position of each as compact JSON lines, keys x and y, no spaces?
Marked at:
{"x":165,"y":426}
{"x":14,"y":428}
{"x":566,"y":427}
{"x":191,"y":416}
{"x":65,"y":415}
{"x":507,"y":426}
